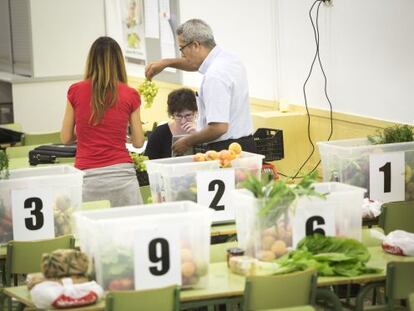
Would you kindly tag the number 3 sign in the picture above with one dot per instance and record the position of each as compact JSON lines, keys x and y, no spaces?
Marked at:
{"x":157,"y":257}
{"x":32,"y":213}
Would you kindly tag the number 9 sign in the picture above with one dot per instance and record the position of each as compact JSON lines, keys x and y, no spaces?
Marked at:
{"x":157,"y":257}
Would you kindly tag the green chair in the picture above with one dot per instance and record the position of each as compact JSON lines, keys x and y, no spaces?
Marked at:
{"x":24,"y":257}
{"x":397,"y":216}
{"x":218,"y":252}
{"x":398,"y":286}
{"x":41,"y":138}
{"x":87,"y":206}
{"x":19,"y":151}
{"x":299,"y":308}
{"x":280,"y":291}
{"x":12,"y":126}
{"x":160,"y":299}
{"x":411,"y":301}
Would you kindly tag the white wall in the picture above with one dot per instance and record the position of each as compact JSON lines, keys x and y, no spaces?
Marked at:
{"x":367,"y":49}
{"x":245,"y":28}
{"x":368,"y":52}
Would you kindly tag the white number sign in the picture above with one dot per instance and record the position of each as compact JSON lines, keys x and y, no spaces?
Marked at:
{"x":32,"y":213}
{"x":314,"y":218}
{"x":387,"y":176}
{"x":213,"y":190}
{"x":157,"y":257}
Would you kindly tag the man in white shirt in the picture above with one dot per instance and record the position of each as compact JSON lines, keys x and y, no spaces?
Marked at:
{"x":223,"y":101}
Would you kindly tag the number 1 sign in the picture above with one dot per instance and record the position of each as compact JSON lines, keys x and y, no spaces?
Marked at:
{"x":387,"y":176}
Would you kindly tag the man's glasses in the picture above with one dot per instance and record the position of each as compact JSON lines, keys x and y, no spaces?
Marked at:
{"x":183,"y":47}
{"x":187,"y":116}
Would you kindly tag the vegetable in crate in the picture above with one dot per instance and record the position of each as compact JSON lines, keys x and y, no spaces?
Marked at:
{"x":4,"y":165}
{"x":148,"y":89}
{"x":274,"y":213}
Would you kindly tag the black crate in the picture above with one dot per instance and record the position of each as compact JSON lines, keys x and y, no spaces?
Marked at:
{"x":142,"y":177}
{"x":269,"y":142}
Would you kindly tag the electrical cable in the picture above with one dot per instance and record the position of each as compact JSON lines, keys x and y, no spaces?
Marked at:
{"x":316,"y":56}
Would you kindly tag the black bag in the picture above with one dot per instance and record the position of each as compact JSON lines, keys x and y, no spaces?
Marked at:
{"x":8,"y":136}
{"x":49,"y":153}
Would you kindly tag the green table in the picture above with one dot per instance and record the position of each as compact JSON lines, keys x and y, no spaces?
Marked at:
{"x":15,"y":163}
{"x":224,"y":286}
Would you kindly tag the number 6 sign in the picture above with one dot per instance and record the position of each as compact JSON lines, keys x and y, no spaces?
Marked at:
{"x":157,"y":257}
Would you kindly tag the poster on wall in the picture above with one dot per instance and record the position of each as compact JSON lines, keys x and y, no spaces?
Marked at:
{"x":133,"y":30}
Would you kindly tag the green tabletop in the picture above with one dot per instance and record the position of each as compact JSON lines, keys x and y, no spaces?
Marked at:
{"x":223,"y":284}
{"x":23,"y":162}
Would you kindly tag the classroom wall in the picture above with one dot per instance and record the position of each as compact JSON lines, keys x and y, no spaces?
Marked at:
{"x":367,"y":48}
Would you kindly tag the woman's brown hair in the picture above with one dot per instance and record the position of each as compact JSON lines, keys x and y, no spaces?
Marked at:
{"x":105,"y":67}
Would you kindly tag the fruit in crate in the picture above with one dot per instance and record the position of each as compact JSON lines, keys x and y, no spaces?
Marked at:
{"x":191,"y":270}
{"x":235,"y":147}
{"x":62,"y":211}
{"x":6,"y":225}
{"x":225,"y":156}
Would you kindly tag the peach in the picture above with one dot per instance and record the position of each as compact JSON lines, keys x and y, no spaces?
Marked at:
{"x":188,"y":269}
{"x":235,"y":147}
{"x":212,"y":155}
{"x":186,"y":255}
{"x":199,"y":157}
{"x":279,"y":248}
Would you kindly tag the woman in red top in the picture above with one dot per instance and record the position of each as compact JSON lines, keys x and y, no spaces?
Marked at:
{"x":97,"y":115}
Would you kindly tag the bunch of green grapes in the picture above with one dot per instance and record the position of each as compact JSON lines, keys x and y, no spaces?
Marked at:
{"x":139,"y":161}
{"x":148,"y":89}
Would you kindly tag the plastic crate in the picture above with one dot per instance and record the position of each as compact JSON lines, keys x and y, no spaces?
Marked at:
{"x":266,"y":238}
{"x":348,"y":161}
{"x":62,"y":182}
{"x":269,"y":142}
{"x":108,"y":236}
{"x":174,"y":179}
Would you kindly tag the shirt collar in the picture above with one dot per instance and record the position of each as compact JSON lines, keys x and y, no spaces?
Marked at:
{"x":209,"y":59}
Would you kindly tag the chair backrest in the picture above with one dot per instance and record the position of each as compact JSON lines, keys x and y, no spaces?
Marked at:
{"x":399,"y":282}
{"x":218,"y":252}
{"x":280,"y":291}
{"x":160,"y":299}
{"x":411,"y":301}
{"x":86,"y":206}
{"x":41,"y":138}
{"x":25,"y":256}
{"x":12,"y":126}
{"x":397,"y":216}
{"x":19,"y":151}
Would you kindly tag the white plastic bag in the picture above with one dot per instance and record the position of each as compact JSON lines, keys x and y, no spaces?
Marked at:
{"x":53,"y":294}
{"x":399,"y":242}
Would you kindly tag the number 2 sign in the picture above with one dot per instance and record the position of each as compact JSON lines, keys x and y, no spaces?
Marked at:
{"x":386,"y":176}
{"x":157,"y":257}
{"x":213,"y":190}
{"x":32,"y":213}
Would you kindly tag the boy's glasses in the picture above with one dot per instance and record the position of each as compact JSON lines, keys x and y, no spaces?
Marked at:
{"x":187,"y":116}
